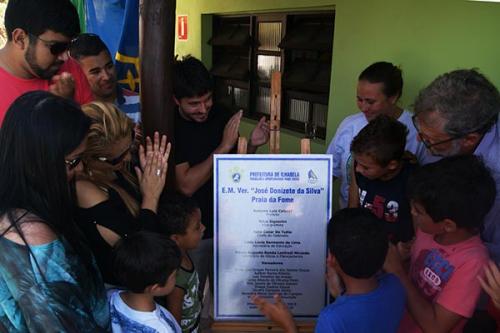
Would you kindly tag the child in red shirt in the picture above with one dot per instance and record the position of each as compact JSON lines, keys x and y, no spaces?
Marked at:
{"x":449,"y":200}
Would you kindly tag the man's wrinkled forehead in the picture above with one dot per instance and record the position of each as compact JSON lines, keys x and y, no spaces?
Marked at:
{"x":433,"y":119}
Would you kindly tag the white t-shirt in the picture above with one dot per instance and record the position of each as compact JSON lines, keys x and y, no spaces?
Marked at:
{"x":340,"y":147}
{"x":124,"y":319}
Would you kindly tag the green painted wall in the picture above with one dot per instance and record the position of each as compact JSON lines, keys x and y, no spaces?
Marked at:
{"x":425,"y":37}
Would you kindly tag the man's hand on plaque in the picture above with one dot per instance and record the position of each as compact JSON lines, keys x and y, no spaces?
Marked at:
{"x":277,"y":312}
{"x":333,"y":281}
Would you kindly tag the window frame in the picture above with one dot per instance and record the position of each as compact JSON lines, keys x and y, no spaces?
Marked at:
{"x":315,"y":94}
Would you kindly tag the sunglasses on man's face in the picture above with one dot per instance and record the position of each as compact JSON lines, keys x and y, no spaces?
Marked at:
{"x":55,"y":48}
{"x":71,"y":164}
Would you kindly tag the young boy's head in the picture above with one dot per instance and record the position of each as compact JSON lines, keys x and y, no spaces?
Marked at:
{"x":180,"y":219}
{"x":146,"y":262}
{"x":379,"y":147}
{"x":357,"y":242}
{"x":453,"y":193}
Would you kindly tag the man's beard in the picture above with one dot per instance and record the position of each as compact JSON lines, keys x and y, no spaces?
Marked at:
{"x":452,"y":151}
{"x":45,"y":74}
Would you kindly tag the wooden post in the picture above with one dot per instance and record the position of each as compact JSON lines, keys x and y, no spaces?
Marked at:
{"x":275,"y":123}
{"x":257,"y":327}
{"x":305,"y":146}
{"x":156,"y":52}
{"x":242,"y":145}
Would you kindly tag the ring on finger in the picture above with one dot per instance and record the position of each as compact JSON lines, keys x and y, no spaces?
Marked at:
{"x":158,"y":172}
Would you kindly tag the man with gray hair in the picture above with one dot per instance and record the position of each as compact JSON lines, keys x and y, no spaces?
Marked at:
{"x":458,"y":114}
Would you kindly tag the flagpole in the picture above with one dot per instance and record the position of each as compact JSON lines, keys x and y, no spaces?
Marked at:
{"x":156,"y":52}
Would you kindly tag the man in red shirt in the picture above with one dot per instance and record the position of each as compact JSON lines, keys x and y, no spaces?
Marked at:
{"x":35,"y":56}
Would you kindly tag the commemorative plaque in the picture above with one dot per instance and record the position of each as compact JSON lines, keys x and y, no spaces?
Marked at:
{"x":270,"y":213}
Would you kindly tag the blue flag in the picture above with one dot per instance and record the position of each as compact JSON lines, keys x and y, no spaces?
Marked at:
{"x":105,"y":18}
{"x":127,"y":56}
{"x":117,"y":23}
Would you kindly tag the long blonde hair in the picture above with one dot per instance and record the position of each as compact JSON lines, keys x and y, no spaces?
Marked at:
{"x":109,"y":125}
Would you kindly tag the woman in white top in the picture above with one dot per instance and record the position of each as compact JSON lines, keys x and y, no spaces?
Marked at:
{"x":379,"y":88}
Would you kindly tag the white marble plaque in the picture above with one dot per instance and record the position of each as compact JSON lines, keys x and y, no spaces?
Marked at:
{"x":270,"y":213}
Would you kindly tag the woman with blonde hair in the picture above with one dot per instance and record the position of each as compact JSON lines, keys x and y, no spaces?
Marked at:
{"x":112,"y":201}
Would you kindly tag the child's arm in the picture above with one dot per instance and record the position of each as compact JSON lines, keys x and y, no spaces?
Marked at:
{"x":334,"y":283}
{"x":404,"y":251}
{"x":491,"y":282}
{"x":174,"y":303}
{"x":277,"y":312}
{"x":353,"y":200}
{"x":431,"y":317}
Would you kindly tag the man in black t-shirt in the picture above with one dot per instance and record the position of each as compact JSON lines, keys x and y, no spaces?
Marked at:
{"x":201,"y":130}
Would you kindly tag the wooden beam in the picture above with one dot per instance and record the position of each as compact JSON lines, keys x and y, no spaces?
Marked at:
{"x":275,"y":122}
{"x":257,"y":327}
{"x":156,"y":52}
{"x":242,"y":145}
{"x":305,"y":146}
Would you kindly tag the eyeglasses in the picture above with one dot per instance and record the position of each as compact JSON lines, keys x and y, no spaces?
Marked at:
{"x":116,"y":160}
{"x":426,"y":142}
{"x":120,"y":157}
{"x":71,"y":164}
{"x":56,"y":48}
